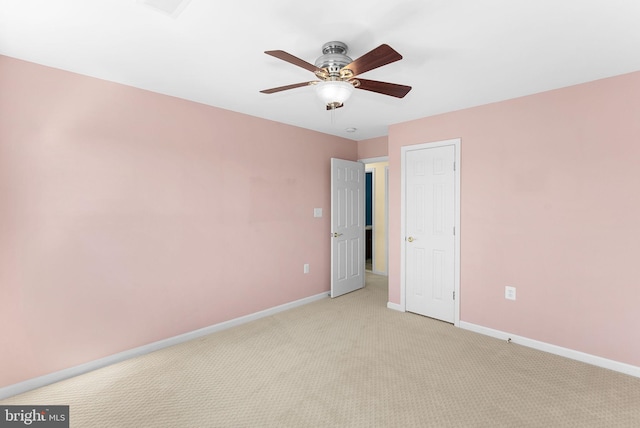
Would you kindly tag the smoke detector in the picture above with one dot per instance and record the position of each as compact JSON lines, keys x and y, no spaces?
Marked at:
{"x":172,"y":8}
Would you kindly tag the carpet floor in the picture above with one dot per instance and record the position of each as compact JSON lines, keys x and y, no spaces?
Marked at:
{"x":346,"y":362}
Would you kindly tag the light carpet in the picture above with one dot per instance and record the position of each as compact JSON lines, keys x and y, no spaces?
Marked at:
{"x":346,"y":362}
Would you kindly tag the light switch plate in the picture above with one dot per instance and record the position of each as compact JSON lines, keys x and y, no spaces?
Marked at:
{"x":510,"y":293}
{"x":317,"y":212}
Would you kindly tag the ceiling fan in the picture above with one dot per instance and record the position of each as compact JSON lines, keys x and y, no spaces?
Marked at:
{"x":337,"y":73}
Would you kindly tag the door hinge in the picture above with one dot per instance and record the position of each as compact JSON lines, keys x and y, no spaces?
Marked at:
{"x":454,"y":230}
{"x":454,"y":295}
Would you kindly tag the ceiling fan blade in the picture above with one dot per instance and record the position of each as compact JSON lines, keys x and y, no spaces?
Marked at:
{"x":284,"y":88}
{"x":382,"y":55}
{"x":392,"y":89}
{"x":294,"y":60}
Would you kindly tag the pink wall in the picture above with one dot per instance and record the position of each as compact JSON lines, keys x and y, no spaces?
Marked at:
{"x":373,"y":148}
{"x":550,"y":205}
{"x":127,"y":217}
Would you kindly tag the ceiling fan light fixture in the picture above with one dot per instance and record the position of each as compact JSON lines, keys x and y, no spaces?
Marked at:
{"x":334,"y":92}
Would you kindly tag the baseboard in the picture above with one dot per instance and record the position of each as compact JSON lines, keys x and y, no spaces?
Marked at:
{"x":395,"y":307}
{"x":28,"y":385}
{"x":554,"y":349}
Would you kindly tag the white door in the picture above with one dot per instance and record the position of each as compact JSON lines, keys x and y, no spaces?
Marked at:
{"x":429,"y":232}
{"x":347,"y":226}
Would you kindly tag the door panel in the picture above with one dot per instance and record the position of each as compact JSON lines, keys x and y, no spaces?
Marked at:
{"x":347,"y":226}
{"x":430,"y":240}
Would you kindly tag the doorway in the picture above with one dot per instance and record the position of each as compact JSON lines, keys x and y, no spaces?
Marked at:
{"x":376,"y":224}
{"x":368,"y":217}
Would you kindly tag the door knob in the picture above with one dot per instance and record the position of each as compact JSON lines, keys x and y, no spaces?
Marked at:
{"x":411,"y":239}
{"x":336,"y":234}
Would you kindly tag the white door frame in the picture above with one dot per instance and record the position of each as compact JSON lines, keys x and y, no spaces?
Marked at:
{"x":386,"y":221}
{"x":403,"y":150}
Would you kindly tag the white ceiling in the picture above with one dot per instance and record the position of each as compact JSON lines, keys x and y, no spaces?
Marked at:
{"x":457,"y":53}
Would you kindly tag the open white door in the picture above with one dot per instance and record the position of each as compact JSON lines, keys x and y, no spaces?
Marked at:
{"x":347,"y":226}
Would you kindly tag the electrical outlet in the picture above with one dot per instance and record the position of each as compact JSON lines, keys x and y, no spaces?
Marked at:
{"x":306,"y":268}
{"x":510,"y":293}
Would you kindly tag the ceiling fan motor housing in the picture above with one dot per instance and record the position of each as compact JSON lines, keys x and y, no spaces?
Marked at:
{"x":333,"y":58}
